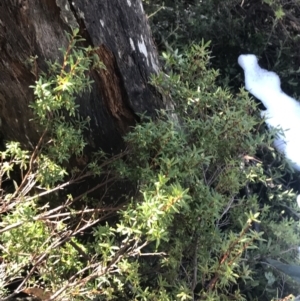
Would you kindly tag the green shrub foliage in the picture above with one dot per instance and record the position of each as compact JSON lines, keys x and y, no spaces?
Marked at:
{"x":267,"y":28}
{"x":208,"y":221}
{"x":191,"y":173}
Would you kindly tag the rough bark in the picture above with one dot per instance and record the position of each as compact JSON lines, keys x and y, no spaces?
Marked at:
{"x":118,"y":28}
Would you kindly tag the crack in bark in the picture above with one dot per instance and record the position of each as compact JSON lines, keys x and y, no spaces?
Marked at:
{"x":112,"y":90}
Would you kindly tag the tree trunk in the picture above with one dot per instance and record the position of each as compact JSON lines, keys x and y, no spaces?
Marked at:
{"x":120,"y":32}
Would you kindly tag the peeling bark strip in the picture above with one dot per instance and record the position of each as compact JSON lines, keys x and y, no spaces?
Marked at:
{"x":113,"y":92}
{"x":120,"y":32}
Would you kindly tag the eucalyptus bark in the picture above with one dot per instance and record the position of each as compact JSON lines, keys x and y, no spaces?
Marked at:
{"x":118,"y":29}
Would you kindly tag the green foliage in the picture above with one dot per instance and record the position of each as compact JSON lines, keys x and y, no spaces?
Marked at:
{"x":269,"y":29}
{"x":33,"y":232}
{"x":54,"y":105}
{"x":191,"y":213}
{"x":207,"y":216}
{"x":190,"y":176}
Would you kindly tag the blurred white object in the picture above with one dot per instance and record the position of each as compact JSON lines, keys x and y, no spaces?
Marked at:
{"x":298,"y":202}
{"x":282,"y":111}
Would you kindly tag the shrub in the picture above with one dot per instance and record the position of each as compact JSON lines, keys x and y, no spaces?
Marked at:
{"x":191,"y":229}
{"x":193,"y":175}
